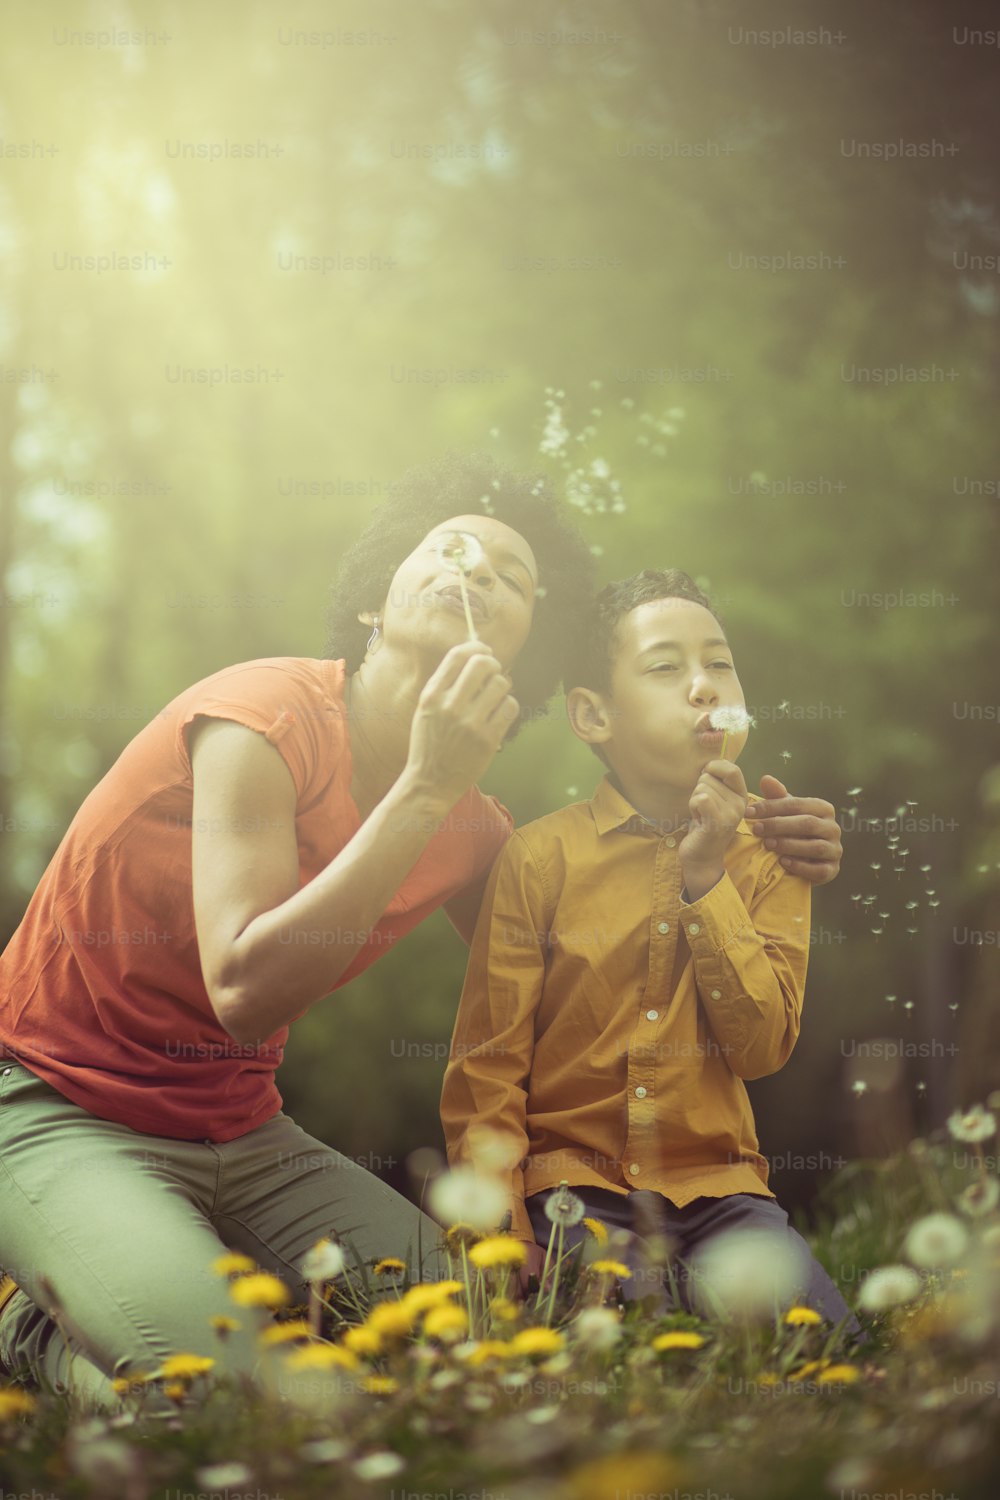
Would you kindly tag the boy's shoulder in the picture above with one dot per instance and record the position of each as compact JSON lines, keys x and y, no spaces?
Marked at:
{"x":552,"y":828}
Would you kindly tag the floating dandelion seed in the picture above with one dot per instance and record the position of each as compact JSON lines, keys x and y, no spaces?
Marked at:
{"x":859,"y":1087}
{"x":875,"y":867}
{"x":854,"y":791}
{"x":734,"y":720}
{"x":953,"y":1005}
{"x":912,"y":905}
{"x":891,"y":999}
{"x":921,"y":1088}
{"x":461,"y":552}
{"x":857,"y":897}
{"x":878,"y":931}
{"x":911,"y":804}
{"x":786,"y":755}
{"x":784,"y":706}
{"x":907,"y":1004}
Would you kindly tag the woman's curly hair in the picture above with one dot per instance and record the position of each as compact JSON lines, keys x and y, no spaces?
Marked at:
{"x":458,"y":484}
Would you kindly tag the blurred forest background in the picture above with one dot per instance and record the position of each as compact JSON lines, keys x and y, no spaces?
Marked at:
{"x":754,"y":246}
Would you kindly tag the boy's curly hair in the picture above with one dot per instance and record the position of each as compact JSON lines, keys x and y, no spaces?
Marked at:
{"x":458,"y":484}
{"x":591,"y":656}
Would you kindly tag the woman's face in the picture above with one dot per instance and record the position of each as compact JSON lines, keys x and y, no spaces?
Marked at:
{"x":424,"y":609}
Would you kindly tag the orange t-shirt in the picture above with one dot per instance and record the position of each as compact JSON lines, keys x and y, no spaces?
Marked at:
{"x":101,"y":989}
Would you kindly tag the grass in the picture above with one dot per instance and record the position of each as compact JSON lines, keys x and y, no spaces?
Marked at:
{"x":460,"y":1390}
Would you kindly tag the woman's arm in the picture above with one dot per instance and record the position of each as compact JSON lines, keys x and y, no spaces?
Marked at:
{"x":269,"y":950}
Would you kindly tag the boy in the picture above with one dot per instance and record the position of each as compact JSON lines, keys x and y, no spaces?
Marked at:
{"x":637,"y":957}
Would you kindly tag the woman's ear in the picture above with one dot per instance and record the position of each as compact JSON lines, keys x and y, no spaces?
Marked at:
{"x":589,"y":716}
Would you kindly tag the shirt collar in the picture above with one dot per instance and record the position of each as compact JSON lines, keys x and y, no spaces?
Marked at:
{"x":611,"y":809}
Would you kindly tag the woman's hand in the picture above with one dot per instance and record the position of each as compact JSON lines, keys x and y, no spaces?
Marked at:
{"x":461,"y":719}
{"x":802,"y":831}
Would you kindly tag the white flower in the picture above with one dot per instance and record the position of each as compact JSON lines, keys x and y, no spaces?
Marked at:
{"x":733,"y":720}
{"x":975,"y":1124}
{"x":597,"y":1328}
{"x":936,"y":1240}
{"x":464,"y":1197}
{"x":980,"y":1197}
{"x":224,"y":1476}
{"x":563,"y":1207}
{"x":324,"y":1261}
{"x":378,"y":1466}
{"x":749,"y":1272}
{"x":888,"y":1287}
{"x":460,"y":551}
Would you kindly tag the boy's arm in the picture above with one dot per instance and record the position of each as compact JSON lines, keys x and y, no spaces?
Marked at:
{"x":485,"y":1090}
{"x":750,"y":967}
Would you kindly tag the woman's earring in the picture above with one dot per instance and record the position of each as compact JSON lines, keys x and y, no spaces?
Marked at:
{"x":372,"y":642}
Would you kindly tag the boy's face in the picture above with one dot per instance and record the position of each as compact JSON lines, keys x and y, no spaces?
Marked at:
{"x":672,"y":666}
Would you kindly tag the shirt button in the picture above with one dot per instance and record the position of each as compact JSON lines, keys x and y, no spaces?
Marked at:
{"x":640,"y":1092}
{"x":634,"y":1169}
{"x":671,"y":843}
{"x":693,"y":927}
{"x":6,"y":1071}
{"x":716,"y":994}
{"x":652,"y":1015}
{"x":663,"y":927}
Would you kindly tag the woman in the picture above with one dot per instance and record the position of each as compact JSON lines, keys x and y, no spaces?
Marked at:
{"x":253,"y":848}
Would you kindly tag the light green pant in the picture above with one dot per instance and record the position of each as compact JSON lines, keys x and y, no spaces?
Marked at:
{"x":124,"y":1227}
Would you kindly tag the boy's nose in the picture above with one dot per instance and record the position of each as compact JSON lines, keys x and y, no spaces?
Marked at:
{"x":703,"y":690}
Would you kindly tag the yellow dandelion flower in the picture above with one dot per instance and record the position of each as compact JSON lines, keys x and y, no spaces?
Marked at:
{"x":488,"y":1349}
{"x":224,"y":1325}
{"x":363,"y":1341}
{"x":261,"y":1290}
{"x":321,"y":1357}
{"x":428,"y":1294}
{"x":15,"y":1403}
{"x":285,"y":1333}
{"x":838,"y":1374}
{"x":536,"y":1341}
{"x":796,"y":1317}
{"x":642,"y":1473}
{"x":503,"y":1309}
{"x":610,"y":1268}
{"x":232,"y":1264}
{"x":597,"y":1230}
{"x":679,"y":1339}
{"x":498,"y":1250}
{"x":390,"y":1320}
{"x":390,"y":1265}
{"x":768,"y":1378}
{"x":184,"y":1367}
{"x":177,"y":1391}
{"x":448,"y":1323}
{"x":380,"y":1385}
{"x":810,"y":1368}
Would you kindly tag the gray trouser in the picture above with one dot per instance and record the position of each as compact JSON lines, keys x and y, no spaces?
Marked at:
{"x":124,"y":1226}
{"x":691,"y":1228}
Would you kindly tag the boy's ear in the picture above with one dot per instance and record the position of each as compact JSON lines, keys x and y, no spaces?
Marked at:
{"x":589,"y":716}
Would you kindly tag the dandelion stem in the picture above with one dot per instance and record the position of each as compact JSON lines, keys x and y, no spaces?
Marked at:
{"x":465,"y":602}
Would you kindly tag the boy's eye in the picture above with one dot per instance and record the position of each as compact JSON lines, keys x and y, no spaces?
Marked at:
{"x":727,"y":664}
{"x":514,"y":582}
{"x":664,"y":666}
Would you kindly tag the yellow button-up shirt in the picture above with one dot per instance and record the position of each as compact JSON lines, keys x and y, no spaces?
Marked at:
{"x":606,"y":1024}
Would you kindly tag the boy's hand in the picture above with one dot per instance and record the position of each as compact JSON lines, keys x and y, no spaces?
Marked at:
{"x":717,"y":804}
{"x":802,"y":831}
